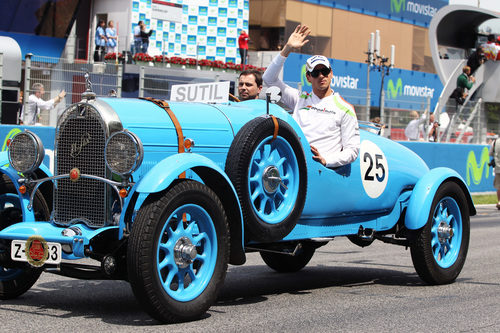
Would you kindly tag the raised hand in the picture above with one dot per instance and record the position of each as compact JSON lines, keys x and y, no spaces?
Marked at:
{"x":296,"y":40}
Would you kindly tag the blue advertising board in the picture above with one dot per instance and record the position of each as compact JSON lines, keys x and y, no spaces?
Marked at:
{"x":470,"y":161}
{"x":404,"y":89}
{"x":416,"y":12}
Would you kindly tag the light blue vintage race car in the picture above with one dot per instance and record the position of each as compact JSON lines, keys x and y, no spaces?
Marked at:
{"x":166,"y":195}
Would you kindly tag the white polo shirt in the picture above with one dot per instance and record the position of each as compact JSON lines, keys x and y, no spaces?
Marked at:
{"x":329,"y":123}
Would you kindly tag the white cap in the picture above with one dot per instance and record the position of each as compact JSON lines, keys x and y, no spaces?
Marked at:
{"x":315,"y":61}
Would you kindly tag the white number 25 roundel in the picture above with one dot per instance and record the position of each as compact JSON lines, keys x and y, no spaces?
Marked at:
{"x":374,"y":169}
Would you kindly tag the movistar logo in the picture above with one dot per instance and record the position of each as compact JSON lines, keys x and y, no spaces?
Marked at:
{"x":394,"y":91}
{"x":476,"y":170}
{"x":398,"y":89}
{"x":397,"y":5}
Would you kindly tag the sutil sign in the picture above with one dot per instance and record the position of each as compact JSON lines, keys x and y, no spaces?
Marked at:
{"x":214,"y":92}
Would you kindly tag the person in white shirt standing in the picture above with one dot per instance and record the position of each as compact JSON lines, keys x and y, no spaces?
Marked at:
{"x":327,"y":120}
{"x":29,"y":115}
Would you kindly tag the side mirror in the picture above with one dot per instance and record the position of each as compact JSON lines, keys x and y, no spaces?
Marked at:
{"x":273,"y":94}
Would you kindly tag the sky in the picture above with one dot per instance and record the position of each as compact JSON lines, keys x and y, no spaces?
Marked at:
{"x":493,"y":5}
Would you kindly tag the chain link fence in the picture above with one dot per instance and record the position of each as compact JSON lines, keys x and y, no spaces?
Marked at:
{"x":59,"y":75}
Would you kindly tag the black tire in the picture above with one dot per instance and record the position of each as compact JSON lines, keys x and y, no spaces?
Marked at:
{"x":285,"y":263}
{"x":271,"y":215}
{"x":16,"y":281}
{"x":159,"y":289}
{"x":434,"y":262}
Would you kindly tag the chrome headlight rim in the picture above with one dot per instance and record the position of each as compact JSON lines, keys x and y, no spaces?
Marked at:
{"x":139,"y":153}
{"x":37,"y":158}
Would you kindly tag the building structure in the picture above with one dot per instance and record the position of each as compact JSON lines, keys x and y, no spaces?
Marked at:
{"x":341,"y":28}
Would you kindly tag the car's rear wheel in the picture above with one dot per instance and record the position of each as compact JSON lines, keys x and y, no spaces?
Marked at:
{"x":268,"y":170}
{"x":15,"y":281}
{"x":288,"y":262}
{"x":178,"y":252}
{"x":439,"y":249}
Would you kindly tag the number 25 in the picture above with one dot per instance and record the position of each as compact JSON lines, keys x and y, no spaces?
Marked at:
{"x":378,"y":165}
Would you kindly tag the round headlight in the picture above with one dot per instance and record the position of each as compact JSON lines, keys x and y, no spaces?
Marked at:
{"x":123,"y":153}
{"x":26,"y":152}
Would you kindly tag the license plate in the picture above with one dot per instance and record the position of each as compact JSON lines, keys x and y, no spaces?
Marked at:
{"x":39,"y":254}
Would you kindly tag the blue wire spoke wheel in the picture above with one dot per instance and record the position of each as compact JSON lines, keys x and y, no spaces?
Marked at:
{"x":439,"y":249}
{"x":273,"y":180}
{"x":446,"y":232}
{"x":178,"y":252}
{"x":267,"y":166}
{"x":187,"y":252}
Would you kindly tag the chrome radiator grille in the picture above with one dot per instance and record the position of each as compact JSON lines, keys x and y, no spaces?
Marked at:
{"x":80,"y":142}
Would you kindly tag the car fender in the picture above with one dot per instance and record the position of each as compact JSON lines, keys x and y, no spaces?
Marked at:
{"x":166,"y":171}
{"x":28,"y":214}
{"x":423,"y":194}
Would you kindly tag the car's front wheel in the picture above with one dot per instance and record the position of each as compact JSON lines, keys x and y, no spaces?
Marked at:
{"x":178,"y":252}
{"x":16,"y":280}
{"x":439,"y":249}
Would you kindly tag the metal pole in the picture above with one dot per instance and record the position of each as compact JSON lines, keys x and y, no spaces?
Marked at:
{"x":1,"y":82}
{"x":368,"y":91}
{"x":141,"y":81}
{"x":27,"y":81}
{"x":119,"y":77}
{"x":382,"y":98}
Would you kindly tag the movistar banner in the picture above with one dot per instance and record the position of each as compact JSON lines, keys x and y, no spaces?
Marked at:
{"x":470,"y":161}
{"x":403,"y":89}
{"x":417,"y":12}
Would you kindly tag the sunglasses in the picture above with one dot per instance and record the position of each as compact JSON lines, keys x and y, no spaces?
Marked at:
{"x":325,"y":71}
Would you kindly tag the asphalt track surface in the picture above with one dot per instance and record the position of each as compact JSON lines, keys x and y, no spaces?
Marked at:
{"x":343,"y":289}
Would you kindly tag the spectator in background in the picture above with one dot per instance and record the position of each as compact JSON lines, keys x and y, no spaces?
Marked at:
{"x":432,"y":134}
{"x":249,"y":84}
{"x":243,"y":45}
{"x":476,"y":59}
{"x":100,"y":41}
{"x":145,"y":38}
{"x":465,"y":80}
{"x":111,"y":45}
{"x":490,"y":48}
{"x":412,"y":130}
{"x":36,"y":103}
{"x":495,"y":163}
{"x":19,"y":112}
{"x":137,"y":37}
{"x":379,"y":124}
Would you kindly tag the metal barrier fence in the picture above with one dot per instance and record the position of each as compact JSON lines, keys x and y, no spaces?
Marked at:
{"x":57,"y":75}
{"x":457,"y":124}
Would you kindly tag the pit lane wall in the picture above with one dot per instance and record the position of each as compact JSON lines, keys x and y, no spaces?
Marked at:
{"x":470,"y":161}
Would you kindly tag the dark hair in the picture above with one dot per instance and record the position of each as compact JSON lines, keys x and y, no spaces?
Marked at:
{"x":491,"y":38}
{"x":101,"y":22}
{"x":256,"y":73}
